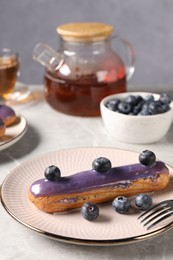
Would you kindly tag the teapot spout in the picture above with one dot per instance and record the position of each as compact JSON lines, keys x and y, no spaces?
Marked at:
{"x":47,"y":57}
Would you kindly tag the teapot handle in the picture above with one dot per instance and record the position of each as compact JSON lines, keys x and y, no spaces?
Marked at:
{"x":130,"y":67}
{"x":47,"y":56}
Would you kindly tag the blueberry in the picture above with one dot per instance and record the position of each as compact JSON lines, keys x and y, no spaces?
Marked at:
{"x":52,"y":173}
{"x":112,"y":104}
{"x":101,"y":165}
{"x":121,"y":204}
{"x":137,"y":105}
{"x":149,"y":98}
{"x":131,"y":99}
{"x":165,"y":98}
{"x":144,"y":110}
{"x":143,"y":113}
{"x":124,"y":108}
{"x":90,"y":211}
{"x":152,"y":109}
{"x":165,"y":108}
{"x":139,"y":99}
{"x":132,"y":113}
{"x":143,"y":201}
{"x":147,"y":158}
{"x":137,"y":109}
{"x":155,"y":107}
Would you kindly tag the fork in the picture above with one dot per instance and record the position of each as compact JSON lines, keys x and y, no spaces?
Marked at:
{"x":157,"y":213}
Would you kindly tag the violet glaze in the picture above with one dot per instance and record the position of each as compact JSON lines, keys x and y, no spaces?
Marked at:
{"x":6,"y":112}
{"x":82,"y":181}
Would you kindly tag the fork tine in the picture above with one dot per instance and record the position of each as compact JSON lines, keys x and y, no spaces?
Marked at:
{"x":159,"y":220}
{"x":153,"y":207}
{"x":152,"y":212}
{"x":156,"y":216}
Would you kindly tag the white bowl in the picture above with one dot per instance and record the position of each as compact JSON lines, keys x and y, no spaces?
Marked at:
{"x":135,"y":129}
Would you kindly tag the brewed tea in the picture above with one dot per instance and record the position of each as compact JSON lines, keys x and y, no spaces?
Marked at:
{"x":82,"y":96}
{"x":8,"y":74}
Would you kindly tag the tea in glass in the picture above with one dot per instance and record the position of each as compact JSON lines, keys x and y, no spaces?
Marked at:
{"x":9,"y":66}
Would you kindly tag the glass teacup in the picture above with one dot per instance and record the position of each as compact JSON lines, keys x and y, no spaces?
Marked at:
{"x":9,"y":70}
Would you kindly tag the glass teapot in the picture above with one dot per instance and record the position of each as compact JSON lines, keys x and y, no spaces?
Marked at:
{"x":85,"y":69}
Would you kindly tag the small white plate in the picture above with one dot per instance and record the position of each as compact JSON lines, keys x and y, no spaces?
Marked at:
{"x":110,"y":228}
{"x":13,"y":133}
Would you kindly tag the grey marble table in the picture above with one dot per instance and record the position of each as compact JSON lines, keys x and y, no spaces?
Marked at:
{"x":49,"y":130}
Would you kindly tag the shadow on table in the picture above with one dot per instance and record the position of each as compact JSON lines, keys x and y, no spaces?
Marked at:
{"x":169,"y":136}
{"x":24,"y":146}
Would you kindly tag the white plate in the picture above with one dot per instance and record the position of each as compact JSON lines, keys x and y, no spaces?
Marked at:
{"x":13,"y":133}
{"x":110,"y":228}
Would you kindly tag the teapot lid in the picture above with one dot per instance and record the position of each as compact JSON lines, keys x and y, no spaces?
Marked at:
{"x":84,"y":32}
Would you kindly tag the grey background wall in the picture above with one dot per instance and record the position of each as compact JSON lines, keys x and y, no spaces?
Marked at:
{"x":148,"y":25}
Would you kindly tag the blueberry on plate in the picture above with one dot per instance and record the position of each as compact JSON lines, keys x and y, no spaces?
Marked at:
{"x":147,"y":158}
{"x":143,"y":201}
{"x":101,"y":165}
{"x":121,"y":204}
{"x":90,"y":211}
{"x":52,"y":173}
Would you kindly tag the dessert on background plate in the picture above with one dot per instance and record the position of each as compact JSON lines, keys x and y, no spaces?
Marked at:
{"x":12,"y":126}
{"x":7,"y":118}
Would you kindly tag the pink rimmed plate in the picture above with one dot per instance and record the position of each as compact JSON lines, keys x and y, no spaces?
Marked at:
{"x":110,"y":228}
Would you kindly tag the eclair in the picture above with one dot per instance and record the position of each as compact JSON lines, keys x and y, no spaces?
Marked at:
{"x":2,"y":128}
{"x":7,"y":114}
{"x":92,"y":186}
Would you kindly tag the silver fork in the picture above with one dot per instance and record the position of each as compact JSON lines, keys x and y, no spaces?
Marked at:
{"x":157,"y":213}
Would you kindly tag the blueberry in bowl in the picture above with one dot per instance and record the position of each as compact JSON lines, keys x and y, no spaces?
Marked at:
{"x":137,"y":117}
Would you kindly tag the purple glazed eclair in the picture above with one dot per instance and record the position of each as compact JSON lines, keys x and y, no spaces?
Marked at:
{"x":7,"y":114}
{"x":73,"y":191}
